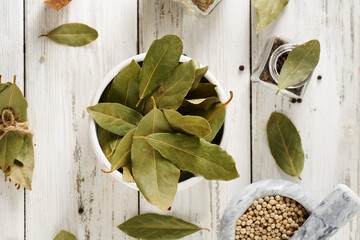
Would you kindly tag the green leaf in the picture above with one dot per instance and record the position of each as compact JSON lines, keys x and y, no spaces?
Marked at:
{"x":172,"y":92}
{"x":199,"y":74}
{"x":114,"y":117}
{"x":73,"y":34}
{"x":125,"y":87}
{"x":301,"y":61}
{"x":267,"y":11}
{"x":285,"y":144}
{"x":155,"y":176}
{"x":191,"y":106}
{"x":127,"y":174}
{"x":108,"y":141}
{"x":151,"y":226}
{"x":64,"y":235}
{"x":22,"y":172}
{"x":195,"y":155}
{"x":12,"y":97}
{"x":161,"y":59}
{"x":10,"y":147}
{"x":216,"y":117}
{"x":204,"y":90}
{"x":122,"y":155}
{"x":192,"y":125}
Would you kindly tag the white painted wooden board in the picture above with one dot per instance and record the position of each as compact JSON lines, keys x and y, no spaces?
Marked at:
{"x":11,"y":63}
{"x":328,"y":117}
{"x":222,"y":42}
{"x":67,"y":175}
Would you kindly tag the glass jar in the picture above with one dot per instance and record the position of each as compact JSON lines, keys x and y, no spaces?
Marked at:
{"x":199,"y":8}
{"x":267,"y":70}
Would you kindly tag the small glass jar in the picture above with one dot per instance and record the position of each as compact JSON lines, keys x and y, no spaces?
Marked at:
{"x":199,"y":8}
{"x":267,"y":70}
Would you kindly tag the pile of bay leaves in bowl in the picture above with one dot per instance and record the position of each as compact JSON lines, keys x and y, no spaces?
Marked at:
{"x":157,"y":123}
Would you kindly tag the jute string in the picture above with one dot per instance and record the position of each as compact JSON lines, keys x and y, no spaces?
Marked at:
{"x":8,"y":124}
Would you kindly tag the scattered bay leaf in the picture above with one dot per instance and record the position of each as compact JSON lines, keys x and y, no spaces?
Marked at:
{"x":285,"y":144}
{"x":64,"y":235}
{"x":161,"y":59}
{"x":125,"y":87}
{"x":195,"y":155}
{"x":73,"y":34}
{"x":155,"y":176}
{"x":199,"y":74}
{"x":192,"y":125}
{"x":172,"y":92}
{"x":115,"y":117}
{"x":301,"y":61}
{"x":267,"y":11}
{"x":153,"y":226}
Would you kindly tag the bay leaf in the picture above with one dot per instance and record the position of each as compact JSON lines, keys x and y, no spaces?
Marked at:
{"x":216,"y":117}
{"x":195,"y":155}
{"x":172,"y":92}
{"x":22,"y":172}
{"x":285,"y":144}
{"x":125,"y":87}
{"x":64,"y":235}
{"x":204,"y":90}
{"x":108,"y":141}
{"x":191,"y":106}
{"x":301,"y":61}
{"x":161,"y":59}
{"x":24,"y":150}
{"x":127,"y":174}
{"x":199,"y":74}
{"x":192,"y":125}
{"x":267,"y":11}
{"x":12,"y":97}
{"x":155,"y":176}
{"x":122,"y":155}
{"x":73,"y":34}
{"x":10,"y":147}
{"x":115,"y":117}
{"x":151,"y":226}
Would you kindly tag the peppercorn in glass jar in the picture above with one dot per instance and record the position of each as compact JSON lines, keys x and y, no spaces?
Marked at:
{"x":200,"y":8}
{"x":268,"y":68}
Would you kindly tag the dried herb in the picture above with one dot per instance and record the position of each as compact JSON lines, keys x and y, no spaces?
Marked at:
{"x":301,"y":61}
{"x":157,"y":175}
{"x":16,"y":148}
{"x":153,"y":226}
{"x":267,"y":11}
{"x":114,"y":117}
{"x":154,"y":175}
{"x":285,"y":144}
{"x":64,"y":235}
{"x":195,"y":155}
{"x":72,"y":34}
{"x":161,"y":59}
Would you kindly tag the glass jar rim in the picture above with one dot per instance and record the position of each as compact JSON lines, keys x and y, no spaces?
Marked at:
{"x":273,"y":61}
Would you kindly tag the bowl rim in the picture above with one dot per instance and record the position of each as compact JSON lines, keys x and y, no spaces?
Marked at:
{"x":92,"y":125}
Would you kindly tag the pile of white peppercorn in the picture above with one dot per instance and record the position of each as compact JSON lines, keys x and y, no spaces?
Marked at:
{"x":271,"y":218}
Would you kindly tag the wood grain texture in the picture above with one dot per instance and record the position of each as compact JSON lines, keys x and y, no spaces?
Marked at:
{"x":67,"y":175}
{"x":11,"y":63}
{"x":328,"y":117}
{"x":221,"y":41}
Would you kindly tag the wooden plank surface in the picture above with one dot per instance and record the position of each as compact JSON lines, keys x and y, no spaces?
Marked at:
{"x":222,"y":42}
{"x":328,"y":117}
{"x":11,"y":63}
{"x":67,"y":175}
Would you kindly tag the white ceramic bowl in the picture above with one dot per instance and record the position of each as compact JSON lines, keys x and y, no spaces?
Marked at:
{"x":93,"y":135}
